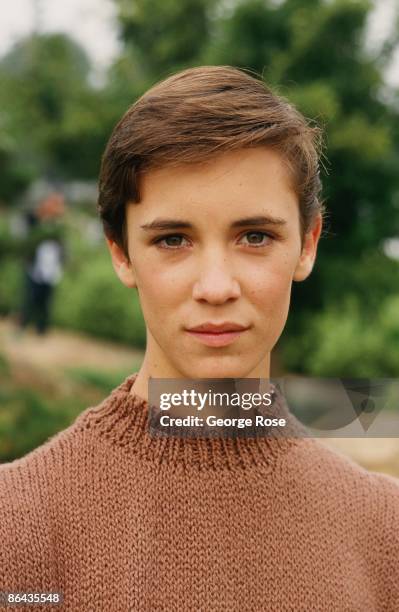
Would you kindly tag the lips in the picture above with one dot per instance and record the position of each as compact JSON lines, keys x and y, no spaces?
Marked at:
{"x":217,"y":328}
{"x":213,"y":334}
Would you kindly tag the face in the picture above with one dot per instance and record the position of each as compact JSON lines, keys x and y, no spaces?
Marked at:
{"x":215,"y":243}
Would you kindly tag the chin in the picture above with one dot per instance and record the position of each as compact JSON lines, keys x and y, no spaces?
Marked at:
{"x":218,"y":369}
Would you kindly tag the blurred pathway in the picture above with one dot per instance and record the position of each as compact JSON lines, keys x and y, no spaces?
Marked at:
{"x":61,"y":349}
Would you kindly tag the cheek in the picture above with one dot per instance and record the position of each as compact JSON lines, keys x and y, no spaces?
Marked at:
{"x":272,"y":302}
{"x":159,"y":291}
{"x":269,"y":292}
{"x":271,"y":284}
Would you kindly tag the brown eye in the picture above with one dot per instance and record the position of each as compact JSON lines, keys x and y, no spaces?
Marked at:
{"x":257,"y":238}
{"x":173,"y":241}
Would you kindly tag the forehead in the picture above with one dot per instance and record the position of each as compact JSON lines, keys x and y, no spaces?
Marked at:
{"x":243,"y":182}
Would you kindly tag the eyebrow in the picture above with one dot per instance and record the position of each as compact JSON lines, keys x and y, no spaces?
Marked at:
{"x":167,"y":224}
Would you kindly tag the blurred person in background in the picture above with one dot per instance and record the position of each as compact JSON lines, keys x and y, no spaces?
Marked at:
{"x":44,"y":258}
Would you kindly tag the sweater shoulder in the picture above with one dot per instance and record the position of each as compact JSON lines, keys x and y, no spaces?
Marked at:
{"x":364,"y":505}
{"x":316,"y":457}
{"x":369,"y":495}
{"x":31,"y":489}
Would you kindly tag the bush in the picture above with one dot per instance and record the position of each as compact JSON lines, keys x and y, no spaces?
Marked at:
{"x":11,"y":283}
{"x":92,"y":300}
{"x":103,"y":381}
{"x":27,"y":420}
{"x":344,"y":341}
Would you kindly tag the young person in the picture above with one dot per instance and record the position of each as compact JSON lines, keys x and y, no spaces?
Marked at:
{"x":43,"y":248}
{"x":210,"y":200}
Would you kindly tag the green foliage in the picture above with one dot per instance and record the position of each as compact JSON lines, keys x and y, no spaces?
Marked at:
{"x":91,"y":299}
{"x":53,"y":121}
{"x":316,"y":99}
{"x":11,"y":282}
{"x":27,"y":420}
{"x":343,"y":341}
{"x":354,"y":331}
{"x":166,"y":34}
{"x":4,"y":366}
{"x":15,"y":174}
{"x":105,"y":381}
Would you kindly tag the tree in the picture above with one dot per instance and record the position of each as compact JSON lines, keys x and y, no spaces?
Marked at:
{"x":164,"y":35}
{"x":53,"y":122}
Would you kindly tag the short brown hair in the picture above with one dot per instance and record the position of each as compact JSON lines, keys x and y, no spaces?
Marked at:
{"x":194,"y":115}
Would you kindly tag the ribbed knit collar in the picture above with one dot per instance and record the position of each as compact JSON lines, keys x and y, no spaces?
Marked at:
{"x":122,"y":418}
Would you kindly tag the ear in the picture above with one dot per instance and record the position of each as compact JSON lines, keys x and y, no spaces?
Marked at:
{"x":123,"y":268}
{"x":309,"y":250}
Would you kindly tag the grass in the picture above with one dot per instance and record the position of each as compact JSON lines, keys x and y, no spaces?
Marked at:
{"x":104,"y":381}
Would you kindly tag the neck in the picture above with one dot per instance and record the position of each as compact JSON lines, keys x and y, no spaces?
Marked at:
{"x":149,"y":370}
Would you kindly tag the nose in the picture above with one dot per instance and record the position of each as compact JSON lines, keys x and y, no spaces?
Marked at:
{"x":216,"y":283}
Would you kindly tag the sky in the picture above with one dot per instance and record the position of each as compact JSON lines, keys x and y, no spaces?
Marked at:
{"x":93,"y":24}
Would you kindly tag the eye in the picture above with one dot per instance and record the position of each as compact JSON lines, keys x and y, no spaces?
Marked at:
{"x":172,"y":241}
{"x":258,"y":239}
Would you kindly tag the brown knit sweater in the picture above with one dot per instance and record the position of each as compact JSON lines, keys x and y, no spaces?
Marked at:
{"x":118,"y":520}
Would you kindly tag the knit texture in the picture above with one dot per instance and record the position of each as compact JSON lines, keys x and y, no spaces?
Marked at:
{"x":118,"y":520}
